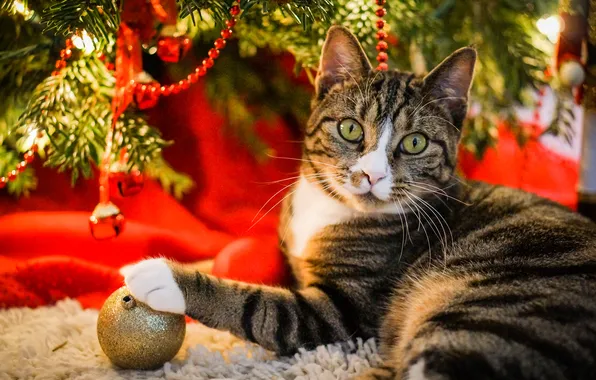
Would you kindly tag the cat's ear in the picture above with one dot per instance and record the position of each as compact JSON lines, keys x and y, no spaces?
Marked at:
{"x":451,"y":80}
{"x":342,"y":59}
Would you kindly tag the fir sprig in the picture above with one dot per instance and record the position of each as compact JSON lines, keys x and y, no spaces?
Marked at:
{"x":100,"y":18}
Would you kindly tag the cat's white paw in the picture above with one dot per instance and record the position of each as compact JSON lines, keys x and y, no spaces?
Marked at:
{"x":152,"y":282}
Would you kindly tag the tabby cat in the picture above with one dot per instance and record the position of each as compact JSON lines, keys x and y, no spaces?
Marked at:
{"x":458,"y":280}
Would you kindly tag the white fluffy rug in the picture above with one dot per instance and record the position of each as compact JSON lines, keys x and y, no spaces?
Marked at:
{"x":60,"y":342}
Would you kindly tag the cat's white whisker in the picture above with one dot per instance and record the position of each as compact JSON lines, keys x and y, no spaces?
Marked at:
{"x":403,"y":232}
{"x":442,"y":221}
{"x":420,"y":224}
{"x":432,"y":224}
{"x":435,"y":190}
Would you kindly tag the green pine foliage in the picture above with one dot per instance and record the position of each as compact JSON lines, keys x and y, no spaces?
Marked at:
{"x":73,"y":108}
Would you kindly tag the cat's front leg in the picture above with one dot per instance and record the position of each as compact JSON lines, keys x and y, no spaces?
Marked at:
{"x":278,"y":319}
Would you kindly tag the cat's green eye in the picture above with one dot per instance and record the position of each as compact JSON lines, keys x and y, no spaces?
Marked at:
{"x":350,"y":130}
{"x":413,"y":143}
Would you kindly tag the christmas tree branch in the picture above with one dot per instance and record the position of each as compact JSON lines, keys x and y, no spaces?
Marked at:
{"x":100,"y":18}
{"x":171,"y":181}
{"x":304,"y":12}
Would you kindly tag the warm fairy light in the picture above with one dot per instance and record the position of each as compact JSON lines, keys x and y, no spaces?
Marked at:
{"x":550,"y":27}
{"x":84,"y":42}
{"x":20,"y":7}
{"x":31,"y":137}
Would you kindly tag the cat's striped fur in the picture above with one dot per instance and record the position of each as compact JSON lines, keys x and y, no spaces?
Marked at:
{"x":458,"y":280}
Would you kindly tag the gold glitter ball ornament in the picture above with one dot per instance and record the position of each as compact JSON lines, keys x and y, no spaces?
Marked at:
{"x":134,"y":336}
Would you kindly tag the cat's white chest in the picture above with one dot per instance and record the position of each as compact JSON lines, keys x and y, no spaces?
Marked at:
{"x":313,"y":210}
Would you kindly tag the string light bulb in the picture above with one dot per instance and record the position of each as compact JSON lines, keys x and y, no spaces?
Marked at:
{"x":19,"y":7}
{"x":550,"y":27}
{"x":84,"y":42}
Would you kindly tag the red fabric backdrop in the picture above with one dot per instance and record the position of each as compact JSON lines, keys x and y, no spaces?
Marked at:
{"x":47,"y":253}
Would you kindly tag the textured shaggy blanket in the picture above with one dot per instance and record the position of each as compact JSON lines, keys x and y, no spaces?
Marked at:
{"x":60,"y":342}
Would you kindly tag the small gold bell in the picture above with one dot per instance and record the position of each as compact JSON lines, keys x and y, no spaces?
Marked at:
{"x":134,"y":336}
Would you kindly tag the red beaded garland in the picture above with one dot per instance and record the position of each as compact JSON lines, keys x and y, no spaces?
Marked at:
{"x":65,"y":54}
{"x":28,"y":158}
{"x":381,"y":35}
{"x":200,"y":70}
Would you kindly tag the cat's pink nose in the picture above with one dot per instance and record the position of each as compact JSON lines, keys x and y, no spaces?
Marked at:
{"x":374,"y":177}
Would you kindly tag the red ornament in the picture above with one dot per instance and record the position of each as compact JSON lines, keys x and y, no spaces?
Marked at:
{"x":231,"y":23}
{"x":12,"y":175}
{"x":123,"y":182}
{"x":147,"y":96}
{"x":172,"y":48}
{"x":381,"y":35}
{"x":380,"y":24}
{"x":3,"y":182}
{"x":106,"y":222}
{"x":380,"y":2}
{"x":208,"y":63}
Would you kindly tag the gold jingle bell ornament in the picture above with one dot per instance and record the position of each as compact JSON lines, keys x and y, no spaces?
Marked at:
{"x":134,"y":336}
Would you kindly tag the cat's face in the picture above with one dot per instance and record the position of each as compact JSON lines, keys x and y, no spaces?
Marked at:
{"x":377,"y":140}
